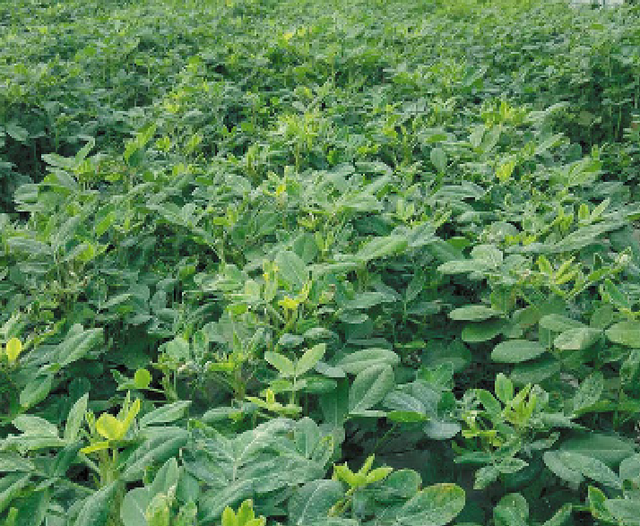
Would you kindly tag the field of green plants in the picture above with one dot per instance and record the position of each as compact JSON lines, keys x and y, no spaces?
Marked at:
{"x":319,"y":263}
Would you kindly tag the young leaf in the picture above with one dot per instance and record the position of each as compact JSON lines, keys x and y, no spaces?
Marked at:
{"x":142,"y":379}
{"x":13,"y":349}
{"x":110,"y":427}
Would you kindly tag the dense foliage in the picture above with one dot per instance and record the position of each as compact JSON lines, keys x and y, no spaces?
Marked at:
{"x":319,"y":263}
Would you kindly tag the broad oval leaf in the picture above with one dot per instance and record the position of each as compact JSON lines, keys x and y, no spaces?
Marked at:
{"x":292,"y":269}
{"x":577,"y":339}
{"x":134,"y":505}
{"x":625,"y":333}
{"x":283,"y":364}
{"x":558,"y":465}
{"x":370,"y":387}
{"x":625,"y":510}
{"x":482,"y":331}
{"x":609,"y":449}
{"x":473,"y":313}
{"x":559,"y":323}
{"x":380,"y":247}
{"x":589,"y":391}
{"x":165,"y":414}
{"x":310,"y":358}
{"x":516,"y":351}
{"x":313,"y":501}
{"x":75,"y":419}
{"x":358,"y":361}
{"x":433,"y":506}
{"x":97,"y":508}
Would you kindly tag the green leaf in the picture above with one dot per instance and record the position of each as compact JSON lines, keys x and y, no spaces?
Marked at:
{"x":335,"y":405}
{"x":16,"y":132}
{"x":561,"y":517}
{"x":134,"y":505}
{"x":404,"y":402}
{"x":433,"y":506}
{"x":504,"y":388}
{"x":406,"y":417}
{"x":29,"y":246}
{"x":283,"y":364}
{"x":490,"y":255}
{"x":463,"y":266}
{"x":78,"y":345}
{"x":437,"y":429}
{"x":512,"y":510}
{"x":536,"y":371}
{"x":12,"y":462}
{"x":366,"y":300}
{"x":166,"y":477}
{"x":358,"y":361}
{"x":165,"y":414}
{"x":310,"y":358}
{"x":292,"y":269}
{"x":313,"y":501}
{"x":438,"y":159}
{"x":152,"y":453}
{"x":370,"y":387}
{"x":558,"y":465}
{"x":482,"y":331}
{"x":213,"y":503}
{"x":32,"y":509}
{"x":36,"y":390}
{"x":473,"y":313}
{"x":10,"y":487}
{"x":630,"y":468}
{"x":558,"y":323}
{"x":596,"y":499}
{"x":380,"y":247}
{"x":625,"y":510}
{"x":607,"y":448}
{"x":485,"y":476}
{"x":75,"y":419}
{"x":577,"y":339}
{"x":97,"y":508}
{"x":591,"y":468}
{"x":516,"y":351}
{"x":589,"y":392}
{"x":625,"y":333}
{"x":402,"y":484}
{"x":34,"y":425}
